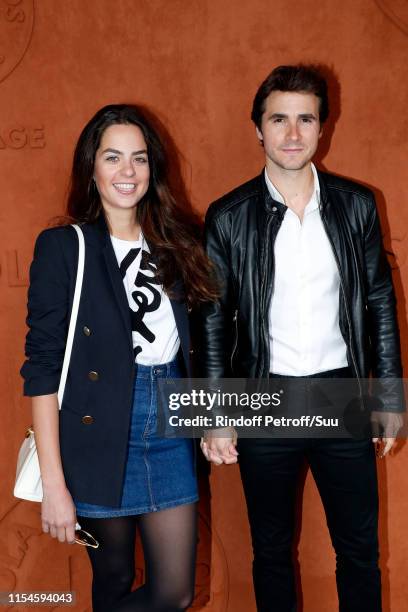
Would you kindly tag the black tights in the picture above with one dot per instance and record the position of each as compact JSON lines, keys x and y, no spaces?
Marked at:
{"x":169,"y":545}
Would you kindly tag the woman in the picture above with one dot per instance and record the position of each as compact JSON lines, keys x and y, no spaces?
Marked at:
{"x":100,"y":457}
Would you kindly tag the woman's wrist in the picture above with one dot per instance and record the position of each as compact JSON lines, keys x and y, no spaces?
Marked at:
{"x":53,"y":483}
{"x":222,"y":432}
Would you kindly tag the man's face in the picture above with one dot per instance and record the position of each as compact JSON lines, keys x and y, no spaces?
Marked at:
{"x":290,"y":129}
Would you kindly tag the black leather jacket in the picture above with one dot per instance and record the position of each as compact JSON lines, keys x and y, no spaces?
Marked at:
{"x":241,"y":228}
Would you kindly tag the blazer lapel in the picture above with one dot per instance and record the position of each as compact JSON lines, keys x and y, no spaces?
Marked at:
{"x":181,"y":317}
{"x":115,"y":277}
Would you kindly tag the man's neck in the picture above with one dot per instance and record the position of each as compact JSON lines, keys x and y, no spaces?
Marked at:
{"x":295,"y":186}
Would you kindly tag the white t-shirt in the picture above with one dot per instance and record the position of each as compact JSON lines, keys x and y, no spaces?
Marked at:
{"x":154,"y":330}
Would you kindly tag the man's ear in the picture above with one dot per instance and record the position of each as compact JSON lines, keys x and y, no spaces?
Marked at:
{"x":321,"y":132}
{"x":259,"y":135}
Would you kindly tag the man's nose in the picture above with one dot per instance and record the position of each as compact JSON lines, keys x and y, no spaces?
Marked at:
{"x":293,"y":131}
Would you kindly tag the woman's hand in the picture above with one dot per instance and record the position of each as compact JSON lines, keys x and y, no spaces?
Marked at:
{"x":58,"y":515}
{"x":218,"y":446}
{"x":58,"y":510}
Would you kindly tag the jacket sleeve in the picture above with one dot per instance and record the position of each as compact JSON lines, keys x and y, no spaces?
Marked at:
{"x":216,"y":317}
{"x":48,"y":310}
{"x":381,"y":303}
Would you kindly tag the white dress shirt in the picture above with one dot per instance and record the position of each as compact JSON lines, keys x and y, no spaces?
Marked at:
{"x":304,"y":332}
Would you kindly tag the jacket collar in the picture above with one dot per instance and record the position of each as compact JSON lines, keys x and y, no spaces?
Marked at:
{"x":272,"y":205}
{"x":324,"y":192}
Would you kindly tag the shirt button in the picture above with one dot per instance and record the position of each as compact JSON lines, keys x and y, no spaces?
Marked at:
{"x":274,"y":209}
{"x":86,"y":331}
{"x":87,"y":419}
{"x":94,"y":376}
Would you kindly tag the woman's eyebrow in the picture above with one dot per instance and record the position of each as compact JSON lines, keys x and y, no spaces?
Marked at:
{"x":110,"y":150}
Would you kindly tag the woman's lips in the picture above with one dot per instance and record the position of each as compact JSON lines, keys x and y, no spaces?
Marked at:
{"x":125,"y":188}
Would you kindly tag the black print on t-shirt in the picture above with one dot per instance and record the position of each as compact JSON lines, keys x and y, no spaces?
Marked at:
{"x":144,"y":302}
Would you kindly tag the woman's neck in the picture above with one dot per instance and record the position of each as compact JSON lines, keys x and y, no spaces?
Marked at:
{"x":122,"y":224}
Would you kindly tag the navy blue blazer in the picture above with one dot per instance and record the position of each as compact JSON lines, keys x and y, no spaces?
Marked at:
{"x":101,"y":374}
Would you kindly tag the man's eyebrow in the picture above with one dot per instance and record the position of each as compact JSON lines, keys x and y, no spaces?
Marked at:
{"x":109,"y":150}
{"x":301,"y":115}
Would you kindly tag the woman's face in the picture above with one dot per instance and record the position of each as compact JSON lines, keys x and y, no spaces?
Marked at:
{"x":121,"y":169}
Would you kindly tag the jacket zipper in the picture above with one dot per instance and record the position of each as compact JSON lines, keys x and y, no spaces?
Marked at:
{"x":263,"y":283}
{"x":345,"y":302}
{"x":235,"y":321}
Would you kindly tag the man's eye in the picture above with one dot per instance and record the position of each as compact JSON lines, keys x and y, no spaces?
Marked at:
{"x":278,"y":120}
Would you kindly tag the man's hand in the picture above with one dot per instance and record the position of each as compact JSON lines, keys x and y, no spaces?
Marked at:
{"x":218,"y":446}
{"x":385,"y":427}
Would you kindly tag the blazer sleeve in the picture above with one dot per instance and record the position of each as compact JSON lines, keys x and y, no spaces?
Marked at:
{"x":48,"y":314}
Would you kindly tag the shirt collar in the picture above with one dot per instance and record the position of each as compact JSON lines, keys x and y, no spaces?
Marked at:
{"x":314,"y":200}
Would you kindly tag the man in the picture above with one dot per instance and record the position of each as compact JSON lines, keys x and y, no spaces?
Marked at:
{"x":305,"y":291}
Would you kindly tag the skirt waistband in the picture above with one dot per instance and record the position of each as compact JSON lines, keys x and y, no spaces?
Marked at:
{"x":161,"y":370}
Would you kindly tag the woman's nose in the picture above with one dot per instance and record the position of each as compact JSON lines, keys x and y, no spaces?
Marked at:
{"x":128,"y":168}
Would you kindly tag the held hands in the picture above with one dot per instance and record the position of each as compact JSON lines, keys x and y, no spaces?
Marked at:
{"x":58,"y":515}
{"x":218,"y":446}
{"x":385,"y":427}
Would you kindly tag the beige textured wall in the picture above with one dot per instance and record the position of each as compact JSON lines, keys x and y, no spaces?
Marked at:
{"x":197,"y":63}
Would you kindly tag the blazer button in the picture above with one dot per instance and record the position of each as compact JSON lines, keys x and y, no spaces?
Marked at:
{"x":87,"y":331}
{"x":87,"y":419}
{"x":94,"y":376}
{"x":191,"y":351}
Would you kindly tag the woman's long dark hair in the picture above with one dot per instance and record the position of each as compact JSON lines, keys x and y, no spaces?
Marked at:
{"x":171,"y":231}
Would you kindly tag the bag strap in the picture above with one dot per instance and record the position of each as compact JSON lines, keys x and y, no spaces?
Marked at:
{"x":74,"y":313}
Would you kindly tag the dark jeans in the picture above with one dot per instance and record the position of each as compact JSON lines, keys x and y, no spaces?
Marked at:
{"x":345,"y":474}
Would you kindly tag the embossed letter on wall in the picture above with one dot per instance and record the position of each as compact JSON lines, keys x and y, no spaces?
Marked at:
{"x":18,"y":137}
{"x":16,"y":26}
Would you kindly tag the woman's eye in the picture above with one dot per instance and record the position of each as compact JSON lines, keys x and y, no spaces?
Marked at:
{"x":112,"y":158}
{"x":141,"y":160}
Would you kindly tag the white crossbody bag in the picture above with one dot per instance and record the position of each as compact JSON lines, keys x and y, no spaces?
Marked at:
{"x":28,"y":483}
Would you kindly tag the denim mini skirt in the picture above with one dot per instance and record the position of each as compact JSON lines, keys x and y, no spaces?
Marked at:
{"x":160,"y":472}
